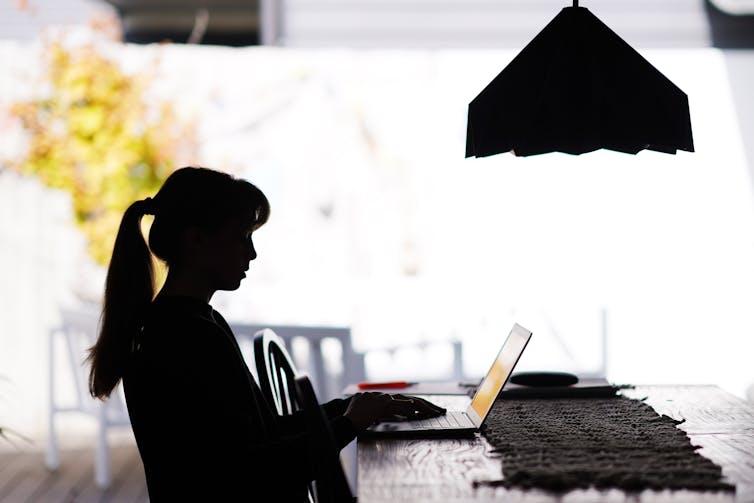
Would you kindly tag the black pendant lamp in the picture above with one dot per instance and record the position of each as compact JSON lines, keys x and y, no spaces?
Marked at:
{"x":575,"y":88}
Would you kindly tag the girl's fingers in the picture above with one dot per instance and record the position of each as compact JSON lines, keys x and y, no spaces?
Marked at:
{"x":431,"y":406}
{"x":420,"y":403}
{"x":414,"y":407}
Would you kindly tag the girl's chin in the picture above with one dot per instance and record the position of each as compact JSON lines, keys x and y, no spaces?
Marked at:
{"x":231,"y":285}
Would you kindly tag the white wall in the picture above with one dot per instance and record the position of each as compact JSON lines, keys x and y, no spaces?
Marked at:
{"x":42,"y":267}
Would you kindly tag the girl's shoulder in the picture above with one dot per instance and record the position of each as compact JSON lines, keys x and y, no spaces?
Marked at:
{"x":182,"y":323}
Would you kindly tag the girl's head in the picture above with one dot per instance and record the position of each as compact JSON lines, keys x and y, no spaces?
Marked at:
{"x":203,"y":220}
{"x":200,"y":199}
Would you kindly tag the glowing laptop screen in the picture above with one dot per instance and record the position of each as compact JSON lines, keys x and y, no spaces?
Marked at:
{"x":500,"y":371}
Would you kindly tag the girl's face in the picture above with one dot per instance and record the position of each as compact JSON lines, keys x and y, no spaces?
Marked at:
{"x":228,"y":253}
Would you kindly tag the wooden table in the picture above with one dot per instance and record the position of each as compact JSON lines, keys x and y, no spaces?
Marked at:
{"x":392,"y":471}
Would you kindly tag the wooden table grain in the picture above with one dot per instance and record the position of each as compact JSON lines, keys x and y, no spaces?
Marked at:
{"x":395,"y":471}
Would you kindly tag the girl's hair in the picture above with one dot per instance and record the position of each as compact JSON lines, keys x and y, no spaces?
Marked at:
{"x":190,"y":197}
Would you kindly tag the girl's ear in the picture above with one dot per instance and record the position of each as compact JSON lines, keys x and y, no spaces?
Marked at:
{"x":194,"y":239}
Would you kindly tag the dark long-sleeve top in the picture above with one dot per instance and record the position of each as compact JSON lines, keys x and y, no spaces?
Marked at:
{"x":202,"y":426}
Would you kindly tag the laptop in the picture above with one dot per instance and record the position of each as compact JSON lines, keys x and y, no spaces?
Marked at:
{"x":463,"y":423}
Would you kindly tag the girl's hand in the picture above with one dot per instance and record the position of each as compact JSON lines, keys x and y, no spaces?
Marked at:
{"x":368,"y":408}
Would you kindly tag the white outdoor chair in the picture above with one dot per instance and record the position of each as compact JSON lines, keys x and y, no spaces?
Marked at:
{"x":76,"y":333}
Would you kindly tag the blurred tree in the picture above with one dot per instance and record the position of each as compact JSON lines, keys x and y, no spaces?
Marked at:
{"x":95,"y":136}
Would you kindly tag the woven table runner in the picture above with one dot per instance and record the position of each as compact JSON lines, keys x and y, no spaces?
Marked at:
{"x":575,"y":443}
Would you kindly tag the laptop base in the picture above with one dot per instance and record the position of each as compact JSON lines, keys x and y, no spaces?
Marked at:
{"x":416,"y":434}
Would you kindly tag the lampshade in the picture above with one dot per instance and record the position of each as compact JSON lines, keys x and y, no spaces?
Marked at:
{"x":575,"y":88}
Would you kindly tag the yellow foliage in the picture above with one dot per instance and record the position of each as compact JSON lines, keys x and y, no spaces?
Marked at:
{"x":94,"y":136}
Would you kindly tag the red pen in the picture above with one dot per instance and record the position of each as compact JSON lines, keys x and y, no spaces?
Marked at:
{"x":384,"y":385}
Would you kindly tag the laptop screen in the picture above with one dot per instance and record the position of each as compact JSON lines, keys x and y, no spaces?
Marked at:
{"x":501,"y":370}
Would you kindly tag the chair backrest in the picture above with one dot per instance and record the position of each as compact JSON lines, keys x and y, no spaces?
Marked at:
{"x":330,"y":483}
{"x":78,"y":332}
{"x":328,"y":382}
{"x":275,"y":371}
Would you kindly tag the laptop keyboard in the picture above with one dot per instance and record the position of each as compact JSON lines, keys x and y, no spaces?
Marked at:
{"x":452,"y":419}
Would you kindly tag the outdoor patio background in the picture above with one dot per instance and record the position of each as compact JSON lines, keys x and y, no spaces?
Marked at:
{"x":380,"y":224}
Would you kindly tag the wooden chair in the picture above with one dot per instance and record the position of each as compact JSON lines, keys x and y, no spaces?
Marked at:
{"x":330,"y":483}
{"x":275,"y":371}
{"x":326,"y":382}
{"x":276,"y":375}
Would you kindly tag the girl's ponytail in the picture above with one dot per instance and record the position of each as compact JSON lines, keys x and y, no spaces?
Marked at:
{"x":129,"y":289}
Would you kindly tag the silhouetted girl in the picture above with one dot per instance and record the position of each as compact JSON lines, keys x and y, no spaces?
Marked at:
{"x":202,"y":425}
